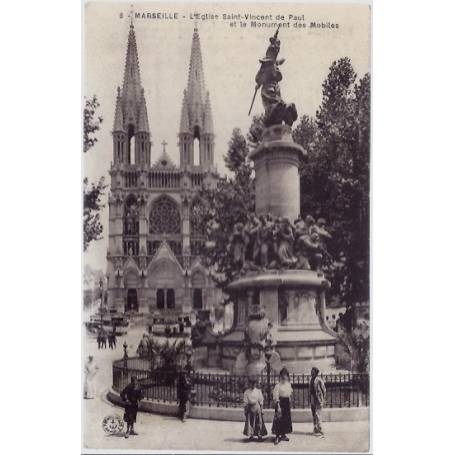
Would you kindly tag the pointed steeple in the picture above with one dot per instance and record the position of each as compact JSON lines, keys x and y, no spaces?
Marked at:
{"x":208,"y":120}
{"x":131,"y":76}
{"x":196,"y":117}
{"x":131,"y":119}
{"x":143,"y":122}
{"x":184,"y":120}
{"x":196,"y":83}
{"x":118,"y":119}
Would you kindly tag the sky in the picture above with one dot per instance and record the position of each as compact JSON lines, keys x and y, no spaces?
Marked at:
{"x":230,"y":59}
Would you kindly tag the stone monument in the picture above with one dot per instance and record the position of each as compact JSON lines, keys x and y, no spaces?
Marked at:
{"x":279,"y":292}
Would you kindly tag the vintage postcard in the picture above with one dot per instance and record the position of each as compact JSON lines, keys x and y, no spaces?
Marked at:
{"x":226,"y":155}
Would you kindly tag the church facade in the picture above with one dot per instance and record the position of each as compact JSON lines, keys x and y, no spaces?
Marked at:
{"x":155,"y":231}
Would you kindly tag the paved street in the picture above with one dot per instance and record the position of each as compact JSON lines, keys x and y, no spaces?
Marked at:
{"x":157,"y":432}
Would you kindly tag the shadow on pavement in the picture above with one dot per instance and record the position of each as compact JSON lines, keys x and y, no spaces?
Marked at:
{"x":305,"y":433}
{"x":246,"y":440}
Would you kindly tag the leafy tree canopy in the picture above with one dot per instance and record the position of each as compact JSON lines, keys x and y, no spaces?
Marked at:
{"x":93,"y":192}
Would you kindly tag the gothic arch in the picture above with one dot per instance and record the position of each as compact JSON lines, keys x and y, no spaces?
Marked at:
{"x":131,"y":215}
{"x":165,"y":273}
{"x":131,"y":144}
{"x":131,"y":278}
{"x":198,"y":279}
{"x":131,"y":226}
{"x":131,"y":264}
{"x":197,"y":225}
{"x":164,"y":216}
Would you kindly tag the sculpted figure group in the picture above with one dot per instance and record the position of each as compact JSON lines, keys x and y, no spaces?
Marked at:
{"x":268,"y":242}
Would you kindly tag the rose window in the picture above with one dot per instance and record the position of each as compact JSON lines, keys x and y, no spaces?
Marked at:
{"x":164,"y":217}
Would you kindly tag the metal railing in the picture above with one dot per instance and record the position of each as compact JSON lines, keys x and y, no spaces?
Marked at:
{"x":225,"y":390}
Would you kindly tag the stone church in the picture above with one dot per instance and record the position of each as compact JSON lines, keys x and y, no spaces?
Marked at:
{"x":155,"y":231}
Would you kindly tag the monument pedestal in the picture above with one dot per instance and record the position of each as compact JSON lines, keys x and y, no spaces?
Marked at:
{"x":294,"y":301}
{"x":276,"y":164}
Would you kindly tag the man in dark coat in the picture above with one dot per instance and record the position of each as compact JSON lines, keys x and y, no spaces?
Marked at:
{"x":184,"y":391}
{"x":131,"y":395}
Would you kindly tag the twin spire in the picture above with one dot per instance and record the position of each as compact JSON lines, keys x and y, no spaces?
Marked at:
{"x":196,"y":114}
{"x":196,"y":108}
{"x":131,"y":108}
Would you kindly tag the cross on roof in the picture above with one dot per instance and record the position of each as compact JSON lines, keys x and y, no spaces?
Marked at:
{"x":164,"y":143}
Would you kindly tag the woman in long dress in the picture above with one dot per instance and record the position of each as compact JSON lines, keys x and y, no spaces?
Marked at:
{"x":90,"y":370}
{"x":282,"y":422}
{"x":253,"y":401}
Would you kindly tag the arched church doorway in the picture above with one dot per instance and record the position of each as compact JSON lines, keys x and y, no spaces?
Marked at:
{"x":197,"y":299}
{"x":131,"y":300}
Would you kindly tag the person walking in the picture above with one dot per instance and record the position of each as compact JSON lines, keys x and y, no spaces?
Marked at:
{"x":282,"y":422}
{"x":317,"y":398}
{"x":90,"y":370}
{"x":253,"y":401}
{"x":131,"y":395}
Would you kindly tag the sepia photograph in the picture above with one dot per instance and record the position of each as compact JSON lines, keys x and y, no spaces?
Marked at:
{"x":226,"y":227}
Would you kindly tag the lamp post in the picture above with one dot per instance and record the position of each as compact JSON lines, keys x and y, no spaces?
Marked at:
{"x":268,"y":355}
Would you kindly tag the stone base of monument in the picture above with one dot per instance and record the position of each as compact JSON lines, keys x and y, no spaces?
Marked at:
{"x":294,"y":301}
{"x":276,"y":165}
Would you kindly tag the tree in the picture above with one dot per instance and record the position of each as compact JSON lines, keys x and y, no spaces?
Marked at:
{"x":335,"y":185}
{"x":91,"y":124}
{"x":340,"y":176}
{"x":236,"y":159}
{"x":226,"y":204}
{"x":92,"y":206}
{"x":256,"y":129}
{"x":305,"y":133}
{"x":92,"y":192}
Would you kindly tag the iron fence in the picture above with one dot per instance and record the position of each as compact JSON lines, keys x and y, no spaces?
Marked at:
{"x":226,"y":390}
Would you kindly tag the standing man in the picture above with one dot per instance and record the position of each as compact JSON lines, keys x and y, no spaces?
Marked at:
{"x":184,"y":392}
{"x":103,"y":338}
{"x":131,"y":395}
{"x":99,"y":338}
{"x":317,"y":398}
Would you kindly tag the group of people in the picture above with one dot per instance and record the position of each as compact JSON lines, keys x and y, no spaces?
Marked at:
{"x":109,"y":337}
{"x":282,"y":421}
{"x":253,"y":401}
{"x":269,"y":242}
